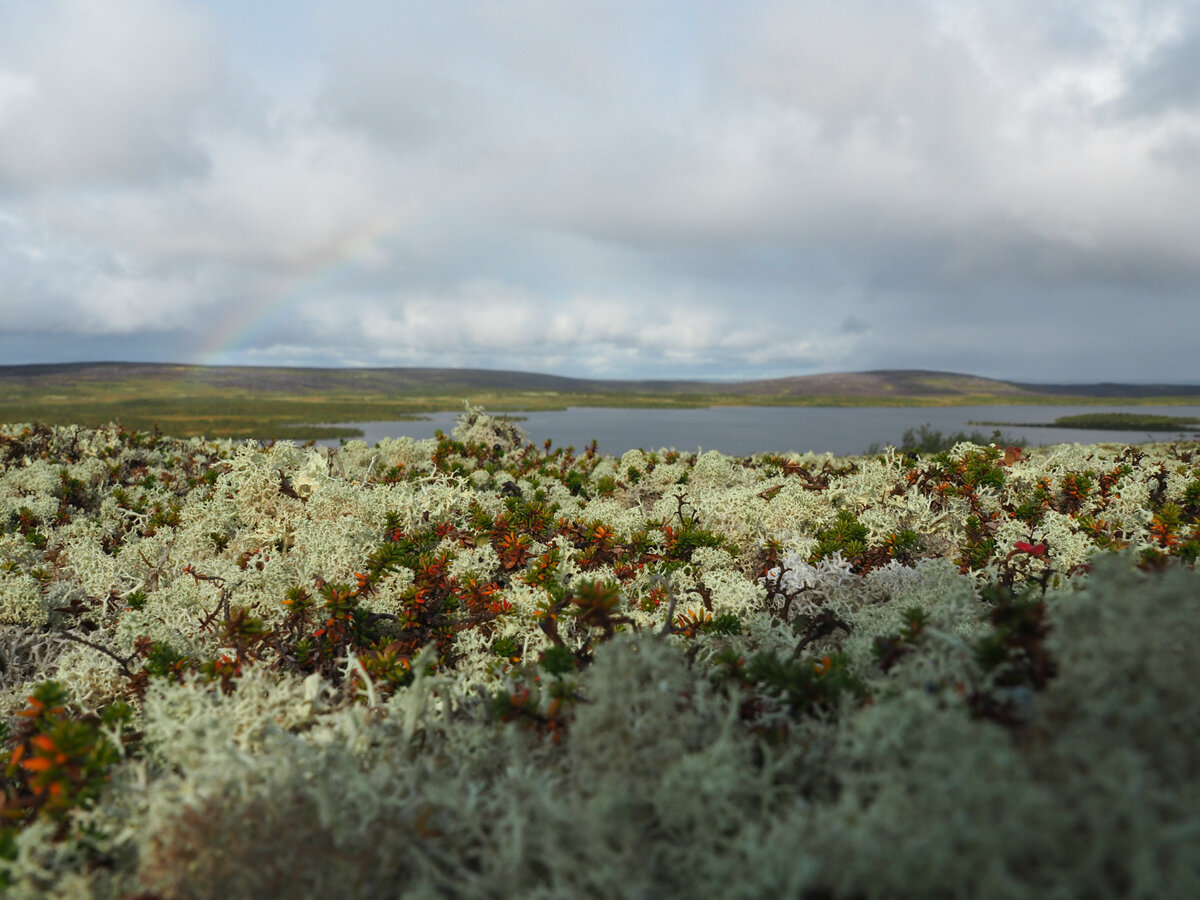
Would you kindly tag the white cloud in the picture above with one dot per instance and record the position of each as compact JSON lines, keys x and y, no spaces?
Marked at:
{"x":16,"y":90}
{"x":664,"y":189}
{"x":109,"y":92}
{"x":288,"y":203}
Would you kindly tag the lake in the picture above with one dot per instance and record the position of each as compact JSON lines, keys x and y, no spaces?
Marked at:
{"x":743,"y":430}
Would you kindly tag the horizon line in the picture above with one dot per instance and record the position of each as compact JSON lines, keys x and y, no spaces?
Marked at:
{"x":700,"y":380}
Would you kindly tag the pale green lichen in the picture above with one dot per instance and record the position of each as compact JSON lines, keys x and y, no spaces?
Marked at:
{"x":477,"y":426}
{"x":672,"y":768}
{"x":23,"y":602}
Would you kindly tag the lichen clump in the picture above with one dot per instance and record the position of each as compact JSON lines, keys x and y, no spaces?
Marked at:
{"x":475,"y":667}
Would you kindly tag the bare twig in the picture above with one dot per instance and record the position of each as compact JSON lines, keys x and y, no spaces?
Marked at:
{"x":122,"y":662}
{"x":669,"y":624}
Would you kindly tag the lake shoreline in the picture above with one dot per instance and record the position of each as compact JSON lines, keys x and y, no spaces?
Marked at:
{"x":744,"y":430}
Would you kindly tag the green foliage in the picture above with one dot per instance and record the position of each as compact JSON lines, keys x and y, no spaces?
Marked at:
{"x":1118,"y":421}
{"x":73,"y":494}
{"x":804,"y":686}
{"x":847,"y":535}
{"x":686,"y":540}
{"x":980,"y":469}
{"x":27,"y":523}
{"x":725,"y":623}
{"x":903,"y":545}
{"x":1191,"y":499}
{"x":162,"y":660}
{"x":576,"y":481}
{"x":557,"y":660}
{"x":543,"y":571}
{"x":977,"y":546}
{"x":58,"y":761}
{"x":506,"y":648}
{"x":595,"y":603}
{"x":928,"y":440}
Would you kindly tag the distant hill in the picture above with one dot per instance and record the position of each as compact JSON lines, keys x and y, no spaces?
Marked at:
{"x":249,"y":401}
{"x":881,"y":384}
{"x":421,"y":381}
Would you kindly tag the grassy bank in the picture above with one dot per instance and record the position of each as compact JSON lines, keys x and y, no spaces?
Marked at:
{"x":1111,"y":421}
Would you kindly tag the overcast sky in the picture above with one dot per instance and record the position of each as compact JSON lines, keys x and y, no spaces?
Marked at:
{"x":605,"y":189}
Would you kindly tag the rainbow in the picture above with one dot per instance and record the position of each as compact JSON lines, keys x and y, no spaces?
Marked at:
{"x":254,"y":318}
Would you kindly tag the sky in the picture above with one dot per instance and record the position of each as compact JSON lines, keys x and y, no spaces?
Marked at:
{"x":641,"y":189}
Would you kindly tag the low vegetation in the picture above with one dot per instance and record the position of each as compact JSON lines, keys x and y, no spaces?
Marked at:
{"x":1128,"y":422}
{"x":1113,"y":421}
{"x":473,"y":666}
{"x":927,"y":439}
{"x":306,"y":433}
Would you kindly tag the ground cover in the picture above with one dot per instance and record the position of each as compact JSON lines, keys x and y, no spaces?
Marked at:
{"x":476,"y":667}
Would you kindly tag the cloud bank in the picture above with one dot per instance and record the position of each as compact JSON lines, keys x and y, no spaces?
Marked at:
{"x":615,"y":190}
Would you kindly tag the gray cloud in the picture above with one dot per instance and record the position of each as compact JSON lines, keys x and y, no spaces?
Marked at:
{"x":1168,"y":80}
{"x":854,"y":325}
{"x":615,"y":189}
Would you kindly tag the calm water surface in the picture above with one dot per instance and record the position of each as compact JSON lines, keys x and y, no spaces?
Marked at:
{"x":742,"y":430}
